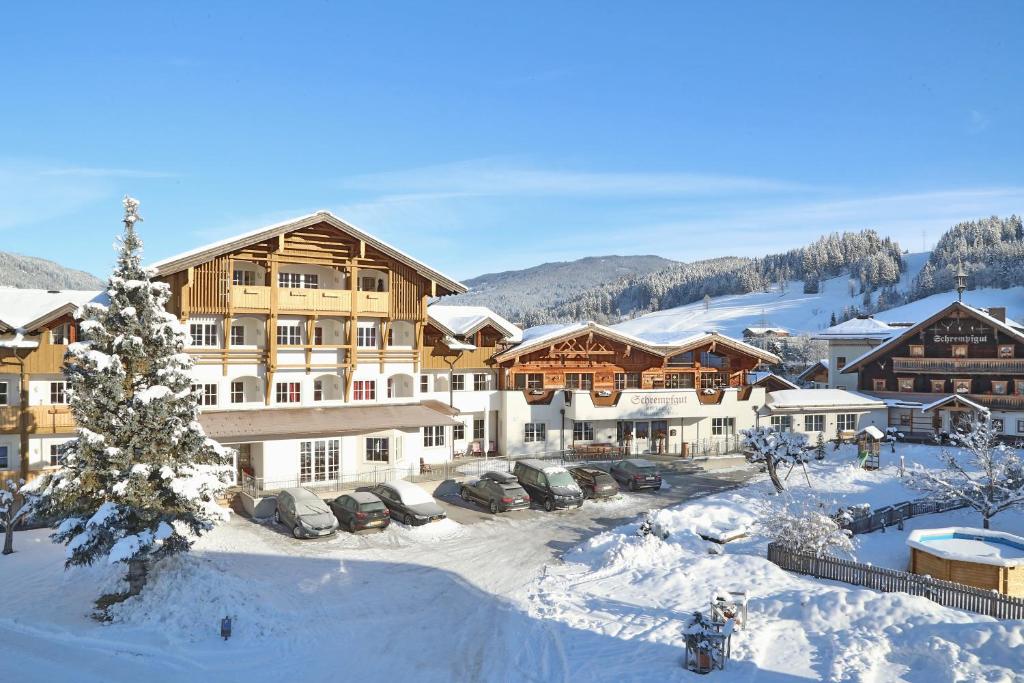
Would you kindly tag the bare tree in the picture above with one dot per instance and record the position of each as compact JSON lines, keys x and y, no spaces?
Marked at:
{"x":771,"y":447}
{"x":985,"y":473}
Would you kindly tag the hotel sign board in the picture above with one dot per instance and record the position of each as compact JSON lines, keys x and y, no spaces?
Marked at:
{"x":658,"y":400}
{"x":959,"y":338}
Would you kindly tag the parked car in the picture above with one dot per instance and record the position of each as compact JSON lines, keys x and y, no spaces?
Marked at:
{"x":408,"y":503}
{"x":304,"y":513}
{"x":636,"y":474}
{"x":594,"y":482}
{"x":497,"y":491}
{"x":550,"y":485}
{"x":360,"y":510}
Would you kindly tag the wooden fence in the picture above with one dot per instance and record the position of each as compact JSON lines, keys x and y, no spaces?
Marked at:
{"x":892,"y":515}
{"x":946,"y":593}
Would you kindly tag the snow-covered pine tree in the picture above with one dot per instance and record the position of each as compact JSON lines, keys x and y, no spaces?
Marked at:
{"x":985,"y":473}
{"x":16,"y":504}
{"x":141,"y":477}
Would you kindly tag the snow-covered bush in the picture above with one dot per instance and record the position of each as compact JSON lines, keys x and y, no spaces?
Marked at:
{"x":141,"y":477}
{"x":804,"y":525}
{"x":983,"y":472}
{"x":771,"y":447}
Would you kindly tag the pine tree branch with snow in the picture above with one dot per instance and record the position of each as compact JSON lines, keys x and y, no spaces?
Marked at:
{"x":16,"y":503}
{"x":141,"y":478}
{"x":983,"y":472}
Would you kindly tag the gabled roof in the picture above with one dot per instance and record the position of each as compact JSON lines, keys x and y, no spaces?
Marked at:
{"x":202,"y":254}
{"x":467,"y":320}
{"x":27,"y":309}
{"x":955,"y":399}
{"x":818,"y":366}
{"x":769,"y":378}
{"x":906,"y":333}
{"x":858,"y":328}
{"x":684,"y":345}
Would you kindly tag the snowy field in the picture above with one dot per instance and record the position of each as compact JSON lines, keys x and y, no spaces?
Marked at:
{"x":527,"y":598}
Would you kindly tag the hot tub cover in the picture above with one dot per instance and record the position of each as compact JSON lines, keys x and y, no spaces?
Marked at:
{"x":968,"y":544}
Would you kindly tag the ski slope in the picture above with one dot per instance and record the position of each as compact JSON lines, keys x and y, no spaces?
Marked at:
{"x":806,"y":313}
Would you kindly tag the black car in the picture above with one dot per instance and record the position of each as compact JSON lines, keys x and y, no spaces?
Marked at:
{"x":408,"y":503}
{"x":550,"y":485}
{"x":360,"y":510}
{"x":595,"y":482}
{"x":498,"y":491}
{"x":636,"y":474}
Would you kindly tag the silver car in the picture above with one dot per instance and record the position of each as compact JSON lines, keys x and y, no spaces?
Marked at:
{"x":304,"y":513}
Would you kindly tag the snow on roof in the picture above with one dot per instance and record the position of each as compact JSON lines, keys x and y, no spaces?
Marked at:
{"x":811,"y":369}
{"x":456,"y":345}
{"x":872,"y":431}
{"x":282,"y":227}
{"x":766,"y":330}
{"x":821,"y":398}
{"x":468,"y":319}
{"x":26,"y":308}
{"x":858,"y":328}
{"x":953,"y":398}
{"x":759,"y":376}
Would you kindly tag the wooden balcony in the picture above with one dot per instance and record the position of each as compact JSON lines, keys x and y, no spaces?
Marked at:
{"x":256,"y":298}
{"x":999,"y":401}
{"x":373,"y":303}
{"x":49,"y":419}
{"x":968,"y":366}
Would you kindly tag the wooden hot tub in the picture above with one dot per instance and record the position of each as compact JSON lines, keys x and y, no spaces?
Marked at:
{"x":982,"y":558}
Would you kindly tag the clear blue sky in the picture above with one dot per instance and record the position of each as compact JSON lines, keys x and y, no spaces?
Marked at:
{"x":482,"y":138}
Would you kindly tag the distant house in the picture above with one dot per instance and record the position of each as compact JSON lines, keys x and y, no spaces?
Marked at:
{"x":764,"y":332}
{"x":770,"y":381}
{"x":816,"y":375}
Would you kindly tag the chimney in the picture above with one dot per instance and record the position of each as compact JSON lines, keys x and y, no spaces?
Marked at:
{"x":998,"y":312}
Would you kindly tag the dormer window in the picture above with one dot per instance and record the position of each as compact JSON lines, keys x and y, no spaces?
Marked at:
{"x":61,"y":334}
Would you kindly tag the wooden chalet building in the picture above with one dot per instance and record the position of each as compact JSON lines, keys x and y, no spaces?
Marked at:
{"x":587,"y":385}
{"x":36,"y":327}
{"x":958,"y":360}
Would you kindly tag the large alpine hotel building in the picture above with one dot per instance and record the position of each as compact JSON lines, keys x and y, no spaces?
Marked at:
{"x":319,"y":356}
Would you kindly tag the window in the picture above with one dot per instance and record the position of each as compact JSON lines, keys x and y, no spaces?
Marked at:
{"x":535,"y":432}
{"x":846,"y":422}
{"x":364,"y":390}
{"x":243,"y":277}
{"x":319,"y":460}
{"x":56,"y":453}
{"x":478,"y":428}
{"x":61,"y":334}
{"x":917,"y":351}
{"x":997,"y":425}
{"x":529,"y":380}
{"x":905,"y":383}
{"x":298,"y":281}
{"x":681,"y":360}
{"x":458,"y":432}
{"x":1020,"y":426}
{"x":959,"y":350}
{"x":238,"y":335}
{"x":938,"y":386}
{"x":782,"y":423}
{"x":582,"y":431}
{"x":679,"y":380}
{"x":723,"y":426}
{"x":371,"y":283}
{"x":904,"y":419}
{"x":878,"y":384}
{"x":962,"y":386}
{"x":366,"y":336}
{"x":627,"y":380}
{"x":203,"y":334}
{"x":1018,"y":387}
{"x":579,"y":380}
{"x":713,"y":360}
{"x":713,"y":380}
{"x":4,"y":396}
{"x":318,"y":336}
{"x":287,"y":392}
{"x":289,"y":335}
{"x":479,"y":382}
{"x":238,"y":392}
{"x":424,"y":383}
{"x":840,"y":362}
{"x":999,"y":387}
{"x":318,"y":390}
{"x":377,"y":449}
{"x":1006,"y":350}
{"x":814,"y":423}
{"x":58,"y":393}
{"x":207,"y":394}
{"x":4,"y":460}
{"x":458,"y":382}
{"x":433,"y":436}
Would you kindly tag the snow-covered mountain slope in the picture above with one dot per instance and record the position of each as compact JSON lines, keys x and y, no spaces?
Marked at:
{"x":791,"y":309}
{"x":1012,"y":299}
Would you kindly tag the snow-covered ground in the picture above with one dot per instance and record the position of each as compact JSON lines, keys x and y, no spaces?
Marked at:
{"x":527,"y":598}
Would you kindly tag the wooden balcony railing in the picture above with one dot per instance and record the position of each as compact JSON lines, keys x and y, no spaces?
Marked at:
{"x":49,"y":419}
{"x":977,"y":366}
{"x":257,"y":298}
{"x":999,"y":401}
{"x":373,"y":303}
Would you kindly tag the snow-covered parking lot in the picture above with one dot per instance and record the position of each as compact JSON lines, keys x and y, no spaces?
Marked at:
{"x":574,"y":595}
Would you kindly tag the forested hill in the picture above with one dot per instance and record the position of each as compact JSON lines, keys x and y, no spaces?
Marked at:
{"x":521,"y":294}
{"x":991,"y":251}
{"x":873,"y":263}
{"x":29,"y":272}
